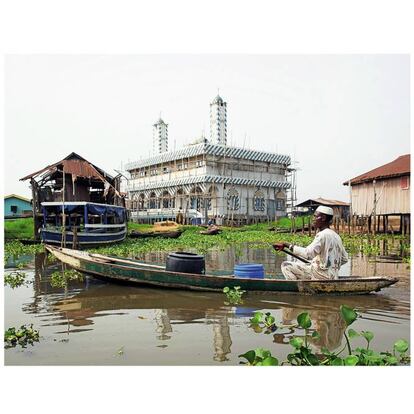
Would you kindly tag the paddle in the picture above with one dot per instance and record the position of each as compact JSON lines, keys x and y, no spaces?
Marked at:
{"x":295,"y":256}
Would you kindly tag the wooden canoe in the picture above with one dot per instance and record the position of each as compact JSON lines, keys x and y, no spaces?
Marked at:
{"x":115,"y":269}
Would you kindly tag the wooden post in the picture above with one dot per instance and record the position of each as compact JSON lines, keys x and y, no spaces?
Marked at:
{"x":309,"y":226}
{"x":63,"y":244}
{"x":75,"y":237}
{"x":303,"y":225}
{"x":374,"y":210}
{"x":35,"y":209}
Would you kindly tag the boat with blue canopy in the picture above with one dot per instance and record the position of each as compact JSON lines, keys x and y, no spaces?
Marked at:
{"x":82,"y":223}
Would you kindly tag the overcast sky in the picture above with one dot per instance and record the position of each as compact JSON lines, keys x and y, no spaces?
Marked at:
{"x":337,"y":116}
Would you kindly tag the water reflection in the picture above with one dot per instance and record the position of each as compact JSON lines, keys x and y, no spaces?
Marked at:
{"x":179,"y":307}
{"x":328,"y":324}
{"x":174,"y":316}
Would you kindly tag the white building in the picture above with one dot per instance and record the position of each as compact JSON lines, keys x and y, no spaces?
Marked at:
{"x":209,"y":180}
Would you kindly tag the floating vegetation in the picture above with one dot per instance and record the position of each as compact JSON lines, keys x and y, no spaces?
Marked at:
{"x":23,"y":336}
{"x":256,"y":236}
{"x":259,"y":357}
{"x":60,"y":279}
{"x":234,"y":296}
{"x":15,"y":279}
{"x":304,"y":354}
{"x":14,"y":249}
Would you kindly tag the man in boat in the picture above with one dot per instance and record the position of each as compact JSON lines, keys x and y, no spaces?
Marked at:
{"x":326,"y":253}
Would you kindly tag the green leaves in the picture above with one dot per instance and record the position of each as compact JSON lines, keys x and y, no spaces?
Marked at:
{"x":262,"y":353}
{"x":401,"y":346}
{"x":296,"y":342}
{"x":348,"y":314}
{"x":23,"y":336}
{"x":303,"y":354}
{"x":367,"y":335}
{"x":269,"y":320}
{"x":337,"y":361}
{"x":257,"y":317}
{"x":60,"y":279}
{"x":234,"y":295}
{"x":15,"y":279}
{"x":316,"y":335}
{"x":250,"y":356}
{"x":270,"y":361}
{"x":352,"y":333}
{"x":351,"y":360}
{"x":260,"y":357}
{"x":304,"y":320}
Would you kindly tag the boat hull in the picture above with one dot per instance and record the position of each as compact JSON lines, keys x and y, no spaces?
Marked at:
{"x":134,"y":272}
{"x":84,"y":238}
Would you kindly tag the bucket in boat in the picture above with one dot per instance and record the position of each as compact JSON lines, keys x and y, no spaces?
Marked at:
{"x":185,"y":262}
{"x":249,"y":270}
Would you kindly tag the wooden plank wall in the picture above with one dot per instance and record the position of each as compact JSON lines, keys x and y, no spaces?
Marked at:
{"x":391,"y":198}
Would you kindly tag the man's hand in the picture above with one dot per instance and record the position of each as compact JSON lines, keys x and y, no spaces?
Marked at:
{"x":281,"y":246}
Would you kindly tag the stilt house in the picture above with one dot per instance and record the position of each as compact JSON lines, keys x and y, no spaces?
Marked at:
{"x":384,"y":193}
{"x":72,"y":179}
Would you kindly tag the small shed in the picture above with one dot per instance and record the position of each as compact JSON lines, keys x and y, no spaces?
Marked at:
{"x":16,"y":206}
{"x":340,"y":208}
{"x":73,"y":179}
{"x":383,"y":192}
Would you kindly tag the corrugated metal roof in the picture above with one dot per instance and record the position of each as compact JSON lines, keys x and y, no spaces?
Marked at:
{"x":77,"y":165}
{"x":210,"y":149}
{"x":322,"y":201}
{"x":398,"y":167}
{"x":213,"y":179}
{"x":80,"y":168}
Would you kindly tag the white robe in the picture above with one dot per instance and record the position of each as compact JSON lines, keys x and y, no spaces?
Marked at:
{"x":327,"y":255}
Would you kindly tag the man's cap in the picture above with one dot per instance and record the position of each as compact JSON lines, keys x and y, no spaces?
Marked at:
{"x":325,"y":210}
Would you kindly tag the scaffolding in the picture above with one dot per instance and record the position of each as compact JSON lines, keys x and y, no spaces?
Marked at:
{"x":291,"y":198}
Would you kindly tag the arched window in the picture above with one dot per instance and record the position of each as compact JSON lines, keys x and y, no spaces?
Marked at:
{"x":134,"y":204}
{"x":141,"y":202}
{"x":153,"y":200}
{"x":166,"y":200}
{"x":233,"y":200}
{"x":280,"y":201}
{"x":196,"y":200}
{"x":259,"y":201}
{"x":180,"y":198}
{"x":211,"y":199}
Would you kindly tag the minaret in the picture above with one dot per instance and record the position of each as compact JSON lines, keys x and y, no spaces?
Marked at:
{"x":218,"y":121}
{"x":160,"y":137}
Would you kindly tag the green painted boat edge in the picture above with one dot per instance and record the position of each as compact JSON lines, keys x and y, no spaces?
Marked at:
{"x":145,"y":274}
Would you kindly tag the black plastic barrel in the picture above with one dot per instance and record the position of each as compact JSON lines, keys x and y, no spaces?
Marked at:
{"x":185,"y":262}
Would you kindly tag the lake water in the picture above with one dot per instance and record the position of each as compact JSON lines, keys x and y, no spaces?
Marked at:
{"x":97,"y":323}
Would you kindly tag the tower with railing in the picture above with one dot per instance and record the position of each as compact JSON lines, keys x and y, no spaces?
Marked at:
{"x":160,"y":137}
{"x":218,"y":121}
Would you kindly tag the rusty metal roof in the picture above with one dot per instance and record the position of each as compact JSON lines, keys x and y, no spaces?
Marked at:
{"x":76,"y":165}
{"x":396,"y":168}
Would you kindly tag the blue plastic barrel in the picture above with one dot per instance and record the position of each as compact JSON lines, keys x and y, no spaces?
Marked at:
{"x":249,"y":270}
